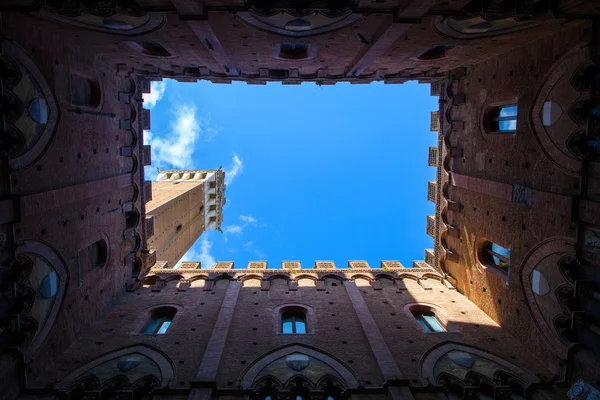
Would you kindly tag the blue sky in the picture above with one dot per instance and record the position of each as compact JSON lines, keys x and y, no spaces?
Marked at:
{"x":313,"y":173}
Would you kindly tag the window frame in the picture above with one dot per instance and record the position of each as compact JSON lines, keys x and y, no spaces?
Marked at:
{"x":425,"y":324}
{"x":499,"y":118}
{"x":294,"y":315}
{"x":418,"y":310}
{"x":492,"y":119}
{"x":294,"y":310}
{"x":487,"y":254}
{"x":164,"y":314}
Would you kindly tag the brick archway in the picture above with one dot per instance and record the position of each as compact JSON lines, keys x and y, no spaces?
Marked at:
{"x":566,"y":66}
{"x":249,"y":375}
{"x":52,"y":257}
{"x":37,"y":149}
{"x":530,"y":261}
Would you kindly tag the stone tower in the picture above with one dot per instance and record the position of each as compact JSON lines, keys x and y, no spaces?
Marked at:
{"x":184,"y":204}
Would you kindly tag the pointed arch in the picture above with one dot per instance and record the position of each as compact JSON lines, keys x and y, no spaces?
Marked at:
{"x":165,"y":365}
{"x":250,"y":373}
{"x":36,"y":149}
{"x":430,"y":359}
{"x":530,"y":261}
{"x":52,"y":258}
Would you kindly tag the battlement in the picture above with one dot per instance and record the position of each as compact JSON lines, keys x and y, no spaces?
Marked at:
{"x":256,"y":275}
{"x":294,"y":266}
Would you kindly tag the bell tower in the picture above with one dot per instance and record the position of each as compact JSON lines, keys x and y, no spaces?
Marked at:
{"x":184,"y":204}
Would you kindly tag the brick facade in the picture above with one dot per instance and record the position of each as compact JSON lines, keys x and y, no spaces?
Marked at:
{"x":88,"y":244}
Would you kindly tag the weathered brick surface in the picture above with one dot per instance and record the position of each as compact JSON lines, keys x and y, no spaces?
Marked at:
{"x":90,"y":174}
{"x":483,"y":181}
{"x":178,"y":211}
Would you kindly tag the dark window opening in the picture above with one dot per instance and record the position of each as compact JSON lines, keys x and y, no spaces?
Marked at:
{"x":85,"y":92}
{"x":290,"y":51}
{"x":160,"y":321}
{"x":435,"y":53}
{"x":150,"y":48}
{"x":93,"y":256}
{"x":131,"y":219}
{"x":179,"y":227}
{"x":278,"y":73}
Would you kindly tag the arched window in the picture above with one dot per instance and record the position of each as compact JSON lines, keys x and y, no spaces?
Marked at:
{"x":160,"y":320}
{"x":292,"y":51}
{"x":502,"y":119}
{"x":85,"y":92}
{"x":435,"y":53}
{"x":93,"y":256}
{"x":496,"y":256}
{"x":154,"y":49}
{"x":293,"y":321}
{"x":131,"y":218}
{"x":426,"y":317}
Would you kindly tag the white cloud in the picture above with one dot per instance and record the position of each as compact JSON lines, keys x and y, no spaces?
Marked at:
{"x":248,"y":244}
{"x":150,"y":173}
{"x":147,"y":137}
{"x":177,"y":148}
{"x":238,"y":229}
{"x":248,"y":219}
{"x":233,"y":229}
{"x":207,"y":260}
{"x":157,"y":91}
{"x":236,"y":167}
{"x":190,"y":255}
{"x":205,"y":257}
